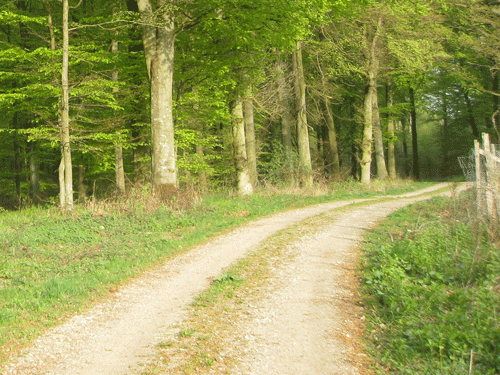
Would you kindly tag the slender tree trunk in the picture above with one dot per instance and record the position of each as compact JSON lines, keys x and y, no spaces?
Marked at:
{"x":332,"y":138}
{"x":202,"y":176}
{"x":287,"y":121}
{"x":404,"y":126}
{"x":250,"y":134}
{"x":391,"y":149}
{"x":159,"y":53}
{"x":34,"y":175}
{"x":65,"y":126}
{"x":378,"y":138}
{"x":470,"y":115}
{"x":305,"y":165}
{"x":82,"y":189}
{"x":17,"y":157}
{"x":119,"y":168}
{"x":414,"y":137}
{"x":240,"y":152}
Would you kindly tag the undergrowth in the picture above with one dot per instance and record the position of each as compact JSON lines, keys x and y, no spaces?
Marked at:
{"x":432,"y":287}
{"x":54,"y":264}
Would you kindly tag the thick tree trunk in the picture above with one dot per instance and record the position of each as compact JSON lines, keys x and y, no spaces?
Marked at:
{"x":366,"y":143}
{"x":250,"y":135}
{"x":391,"y":149}
{"x":378,"y":138}
{"x":414,"y":137}
{"x":65,"y":126}
{"x":370,"y":93}
{"x":159,"y":53}
{"x":239,"y":145}
{"x":305,"y":165}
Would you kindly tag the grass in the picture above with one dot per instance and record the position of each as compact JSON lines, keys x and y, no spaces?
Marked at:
{"x":54,"y":265}
{"x":432,"y":291}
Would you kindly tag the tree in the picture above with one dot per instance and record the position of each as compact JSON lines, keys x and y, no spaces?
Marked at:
{"x":158,"y":40}
{"x":306,"y":173}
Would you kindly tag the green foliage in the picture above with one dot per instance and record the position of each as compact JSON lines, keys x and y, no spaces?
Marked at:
{"x":432,"y":292}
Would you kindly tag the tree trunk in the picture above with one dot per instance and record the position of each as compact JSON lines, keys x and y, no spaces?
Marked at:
{"x":378,"y":138}
{"x":250,"y":134}
{"x":287,"y":121}
{"x":65,"y":126}
{"x":414,"y":138}
{"x":366,"y":143}
{"x":240,"y":152}
{"x":470,"y":115}
{"x":391,"y":149}
{"x":202,"y":176}
{"x":34,"y":175}
{"x":404,"y":126}
{"x":17,"y":157}
{"x":332,"y":138}
{"x":305,"y":165}
{"x":82,"y":189}
{"x":119,"y":169}
{"x":159,"y":54}
{"x":370,"y":93}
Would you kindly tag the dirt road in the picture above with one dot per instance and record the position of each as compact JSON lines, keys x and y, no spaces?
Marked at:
{"x":302,"y":327}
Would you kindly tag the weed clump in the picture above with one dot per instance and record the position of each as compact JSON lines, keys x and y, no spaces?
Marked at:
{"x":433,"y":291}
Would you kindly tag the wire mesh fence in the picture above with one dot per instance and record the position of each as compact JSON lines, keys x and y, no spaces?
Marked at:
{"x":482,"y":167}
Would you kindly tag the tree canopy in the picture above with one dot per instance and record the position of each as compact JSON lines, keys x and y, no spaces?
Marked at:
{"x":154,"y":89}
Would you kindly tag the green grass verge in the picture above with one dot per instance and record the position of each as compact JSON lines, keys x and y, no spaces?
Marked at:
{"x":54,"y":265}
{"x":432,"y":291}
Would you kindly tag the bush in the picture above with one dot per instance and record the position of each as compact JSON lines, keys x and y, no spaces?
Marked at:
{"x":433,"y":292}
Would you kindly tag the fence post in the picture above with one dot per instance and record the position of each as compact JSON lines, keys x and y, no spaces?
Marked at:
{"x":490,"y":178}
{"x":477,"y":159}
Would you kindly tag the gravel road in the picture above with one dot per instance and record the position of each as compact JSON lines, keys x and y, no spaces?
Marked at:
{"x":303,"y":327}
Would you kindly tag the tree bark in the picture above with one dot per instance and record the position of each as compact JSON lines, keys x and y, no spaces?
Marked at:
{"x":202,"y":176}
{"x":332,"y":138}
{"x":470,"y":115}
{"x":159,"y":54}
{"x":404,"y":126}
{"x":65,"y":126}
{"x":414,"y":137}
{"x":82,"y":189}
{"x":391,"y":149}
{"x":305,"y":165}
{"x":378,"y":138}
{"x":34,"y":175}
{"x":248,"y":113}
{"x":366,"y":143}
{"x":119,"y":168}
{"x":287,"y":121}
{"x":372,"y":68}
{"x":240,"y":152}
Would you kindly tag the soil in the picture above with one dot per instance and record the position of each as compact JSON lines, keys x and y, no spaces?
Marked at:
{"x":308,"y":321}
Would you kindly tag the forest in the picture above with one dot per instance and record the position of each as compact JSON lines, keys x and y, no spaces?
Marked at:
{"x":99,"y":96}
